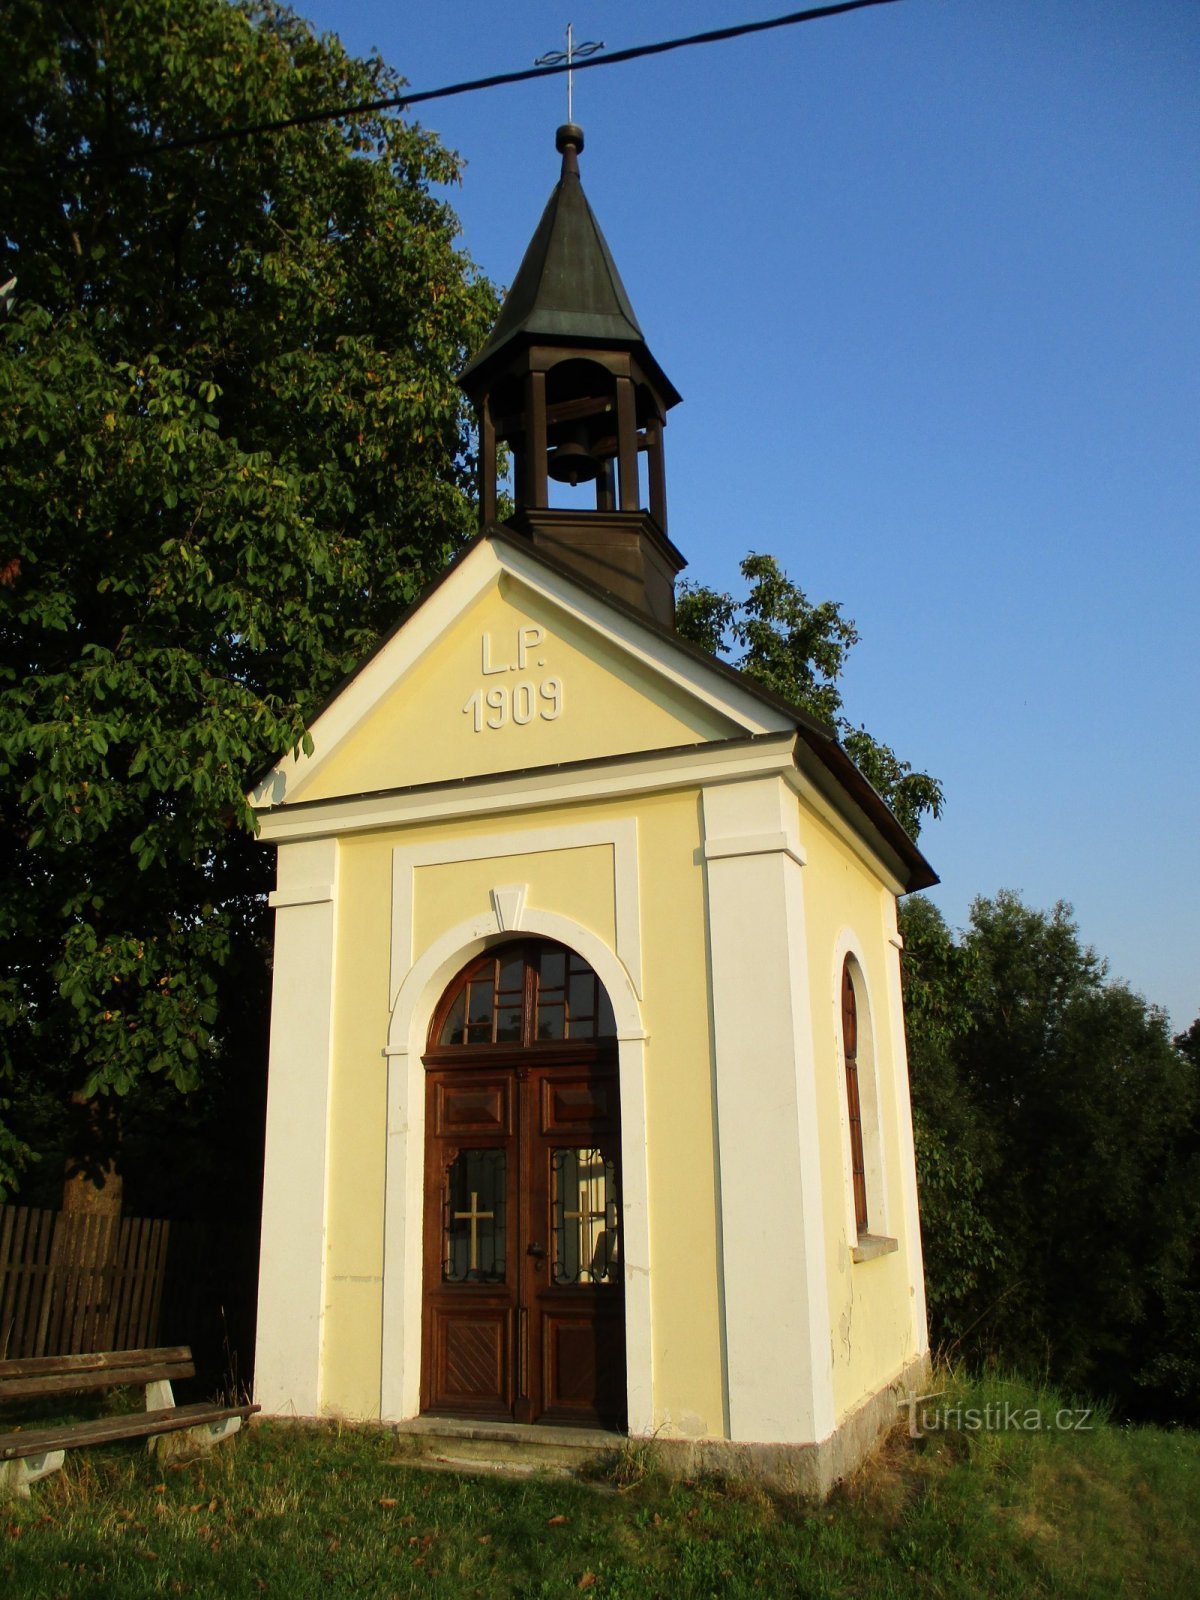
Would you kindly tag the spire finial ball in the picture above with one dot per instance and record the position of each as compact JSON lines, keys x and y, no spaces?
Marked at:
{"x":569,"y":134}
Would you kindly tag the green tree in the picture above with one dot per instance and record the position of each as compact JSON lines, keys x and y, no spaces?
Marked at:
{"x":233,"y":453}
{"x":1169,"y":1366}
{"x":962,"y":1248}
{"x":1069,"y":1121}
{"x":798,"y":649}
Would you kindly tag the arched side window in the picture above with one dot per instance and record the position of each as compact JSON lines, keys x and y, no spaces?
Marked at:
{"x":525,"y":994}
{"x":858,"y":1165}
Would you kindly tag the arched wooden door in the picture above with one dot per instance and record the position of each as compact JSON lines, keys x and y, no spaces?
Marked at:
{"x":524,"y":1305}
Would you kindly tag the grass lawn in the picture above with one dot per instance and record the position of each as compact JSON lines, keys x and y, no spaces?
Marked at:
{"x":298,"y":1512}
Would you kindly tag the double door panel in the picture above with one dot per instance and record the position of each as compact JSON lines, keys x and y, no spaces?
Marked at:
{"x":524,"y":1313}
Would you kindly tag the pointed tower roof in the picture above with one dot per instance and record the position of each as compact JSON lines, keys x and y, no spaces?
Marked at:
{"x":567,"y":288}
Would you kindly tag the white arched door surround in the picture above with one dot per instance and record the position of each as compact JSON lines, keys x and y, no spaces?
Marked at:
{"x":419,"y":993}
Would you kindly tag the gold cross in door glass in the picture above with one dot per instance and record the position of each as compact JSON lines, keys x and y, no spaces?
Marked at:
{"x":585,"y":1217}
{"x":474,"y":1229}
{"x":474,"y":1217}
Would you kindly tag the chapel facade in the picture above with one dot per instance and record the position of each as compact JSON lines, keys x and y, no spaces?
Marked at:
{"x":588,"y":1099}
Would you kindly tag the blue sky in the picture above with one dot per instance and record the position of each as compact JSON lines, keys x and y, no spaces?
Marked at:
{"x":926,"y":276}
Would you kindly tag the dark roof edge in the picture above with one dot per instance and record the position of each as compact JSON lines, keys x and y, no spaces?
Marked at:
{"x":480,"y":367}
{"x":883,"y":832}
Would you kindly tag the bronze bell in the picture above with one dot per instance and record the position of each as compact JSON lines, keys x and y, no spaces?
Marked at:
{"x":572,"y":461}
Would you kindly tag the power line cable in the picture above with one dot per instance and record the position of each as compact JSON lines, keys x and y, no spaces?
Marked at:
{"x":615,"y":58}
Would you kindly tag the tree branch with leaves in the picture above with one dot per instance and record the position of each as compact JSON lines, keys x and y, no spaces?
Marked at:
{"x":798,"y":649}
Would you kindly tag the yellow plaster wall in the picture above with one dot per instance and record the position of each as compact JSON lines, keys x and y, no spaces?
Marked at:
{"x":869,"y":1302}
{"x":688,"y":1373}
{"x":446,"y":895}
{"x":678,"y":1077}
{"x":424,"y":729}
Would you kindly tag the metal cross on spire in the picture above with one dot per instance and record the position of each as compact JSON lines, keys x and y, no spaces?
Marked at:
{"x":573,"y":53}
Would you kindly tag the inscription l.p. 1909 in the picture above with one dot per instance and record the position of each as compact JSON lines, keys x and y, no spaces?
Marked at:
{"x":519,"y":703}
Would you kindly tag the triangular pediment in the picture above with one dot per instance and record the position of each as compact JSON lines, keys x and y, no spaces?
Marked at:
{"x":510,"y":666}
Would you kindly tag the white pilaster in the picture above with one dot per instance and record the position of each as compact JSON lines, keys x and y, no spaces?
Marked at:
{"x":778,"y":1365}
{"x":907,"y":1165}
{"x":635,"y":1219}
{"x":291,"y":1280}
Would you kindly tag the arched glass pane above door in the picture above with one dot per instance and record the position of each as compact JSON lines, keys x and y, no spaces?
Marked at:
{"x":527,"y":994}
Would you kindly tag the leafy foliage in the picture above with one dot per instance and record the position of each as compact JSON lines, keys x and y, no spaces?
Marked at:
{"x":1057,"y":1155}
{"x":798,"y":650}
{"x":233,"y":452}
{"x":962,"y":1247}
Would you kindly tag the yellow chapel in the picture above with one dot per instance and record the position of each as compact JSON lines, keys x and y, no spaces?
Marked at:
{"x":588,"y":1102}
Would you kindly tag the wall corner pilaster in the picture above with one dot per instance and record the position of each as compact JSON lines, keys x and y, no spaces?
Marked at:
{"x":291,"y":1292}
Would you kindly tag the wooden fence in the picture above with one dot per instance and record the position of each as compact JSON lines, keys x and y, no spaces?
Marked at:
{"x":71,"y":1283}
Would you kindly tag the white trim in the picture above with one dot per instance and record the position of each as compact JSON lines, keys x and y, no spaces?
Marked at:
{"x":419,"y":993}
{"x":479,"y":569}
{"x":623,"y":777}
{"x":620,"y":834}
{"x":507,"y":793}
{"x":779,"y":1366}
{"x":291,"y":1287}
{"x":870,"y":1103}
{"x":509,"y":904}
{"x":763,"y":844}
{"x":294,"y":771}
{"x":907,"y":1156}
{"x":313,"y":894}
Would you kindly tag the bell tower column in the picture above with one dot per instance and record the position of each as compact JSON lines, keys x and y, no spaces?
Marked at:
{"x":535,"y":434}
{"x":627,"y":444}
{"x":487,"y":461}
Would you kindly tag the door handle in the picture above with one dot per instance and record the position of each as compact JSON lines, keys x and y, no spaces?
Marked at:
{"x":536,"y":1251}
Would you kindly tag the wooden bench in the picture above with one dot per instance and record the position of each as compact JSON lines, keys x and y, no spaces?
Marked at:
{"x":30,"y":1453}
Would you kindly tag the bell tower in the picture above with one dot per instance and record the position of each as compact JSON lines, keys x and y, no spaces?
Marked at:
{"x":567,"y":382}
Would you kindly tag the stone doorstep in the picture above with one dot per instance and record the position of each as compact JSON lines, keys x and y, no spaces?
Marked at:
{"x":469,"y":1467}
{"x":524,"y":1449}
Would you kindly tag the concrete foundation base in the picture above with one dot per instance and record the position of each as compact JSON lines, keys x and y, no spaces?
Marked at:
{"x":806,"y":1469}
{"x":811,"y":1470}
